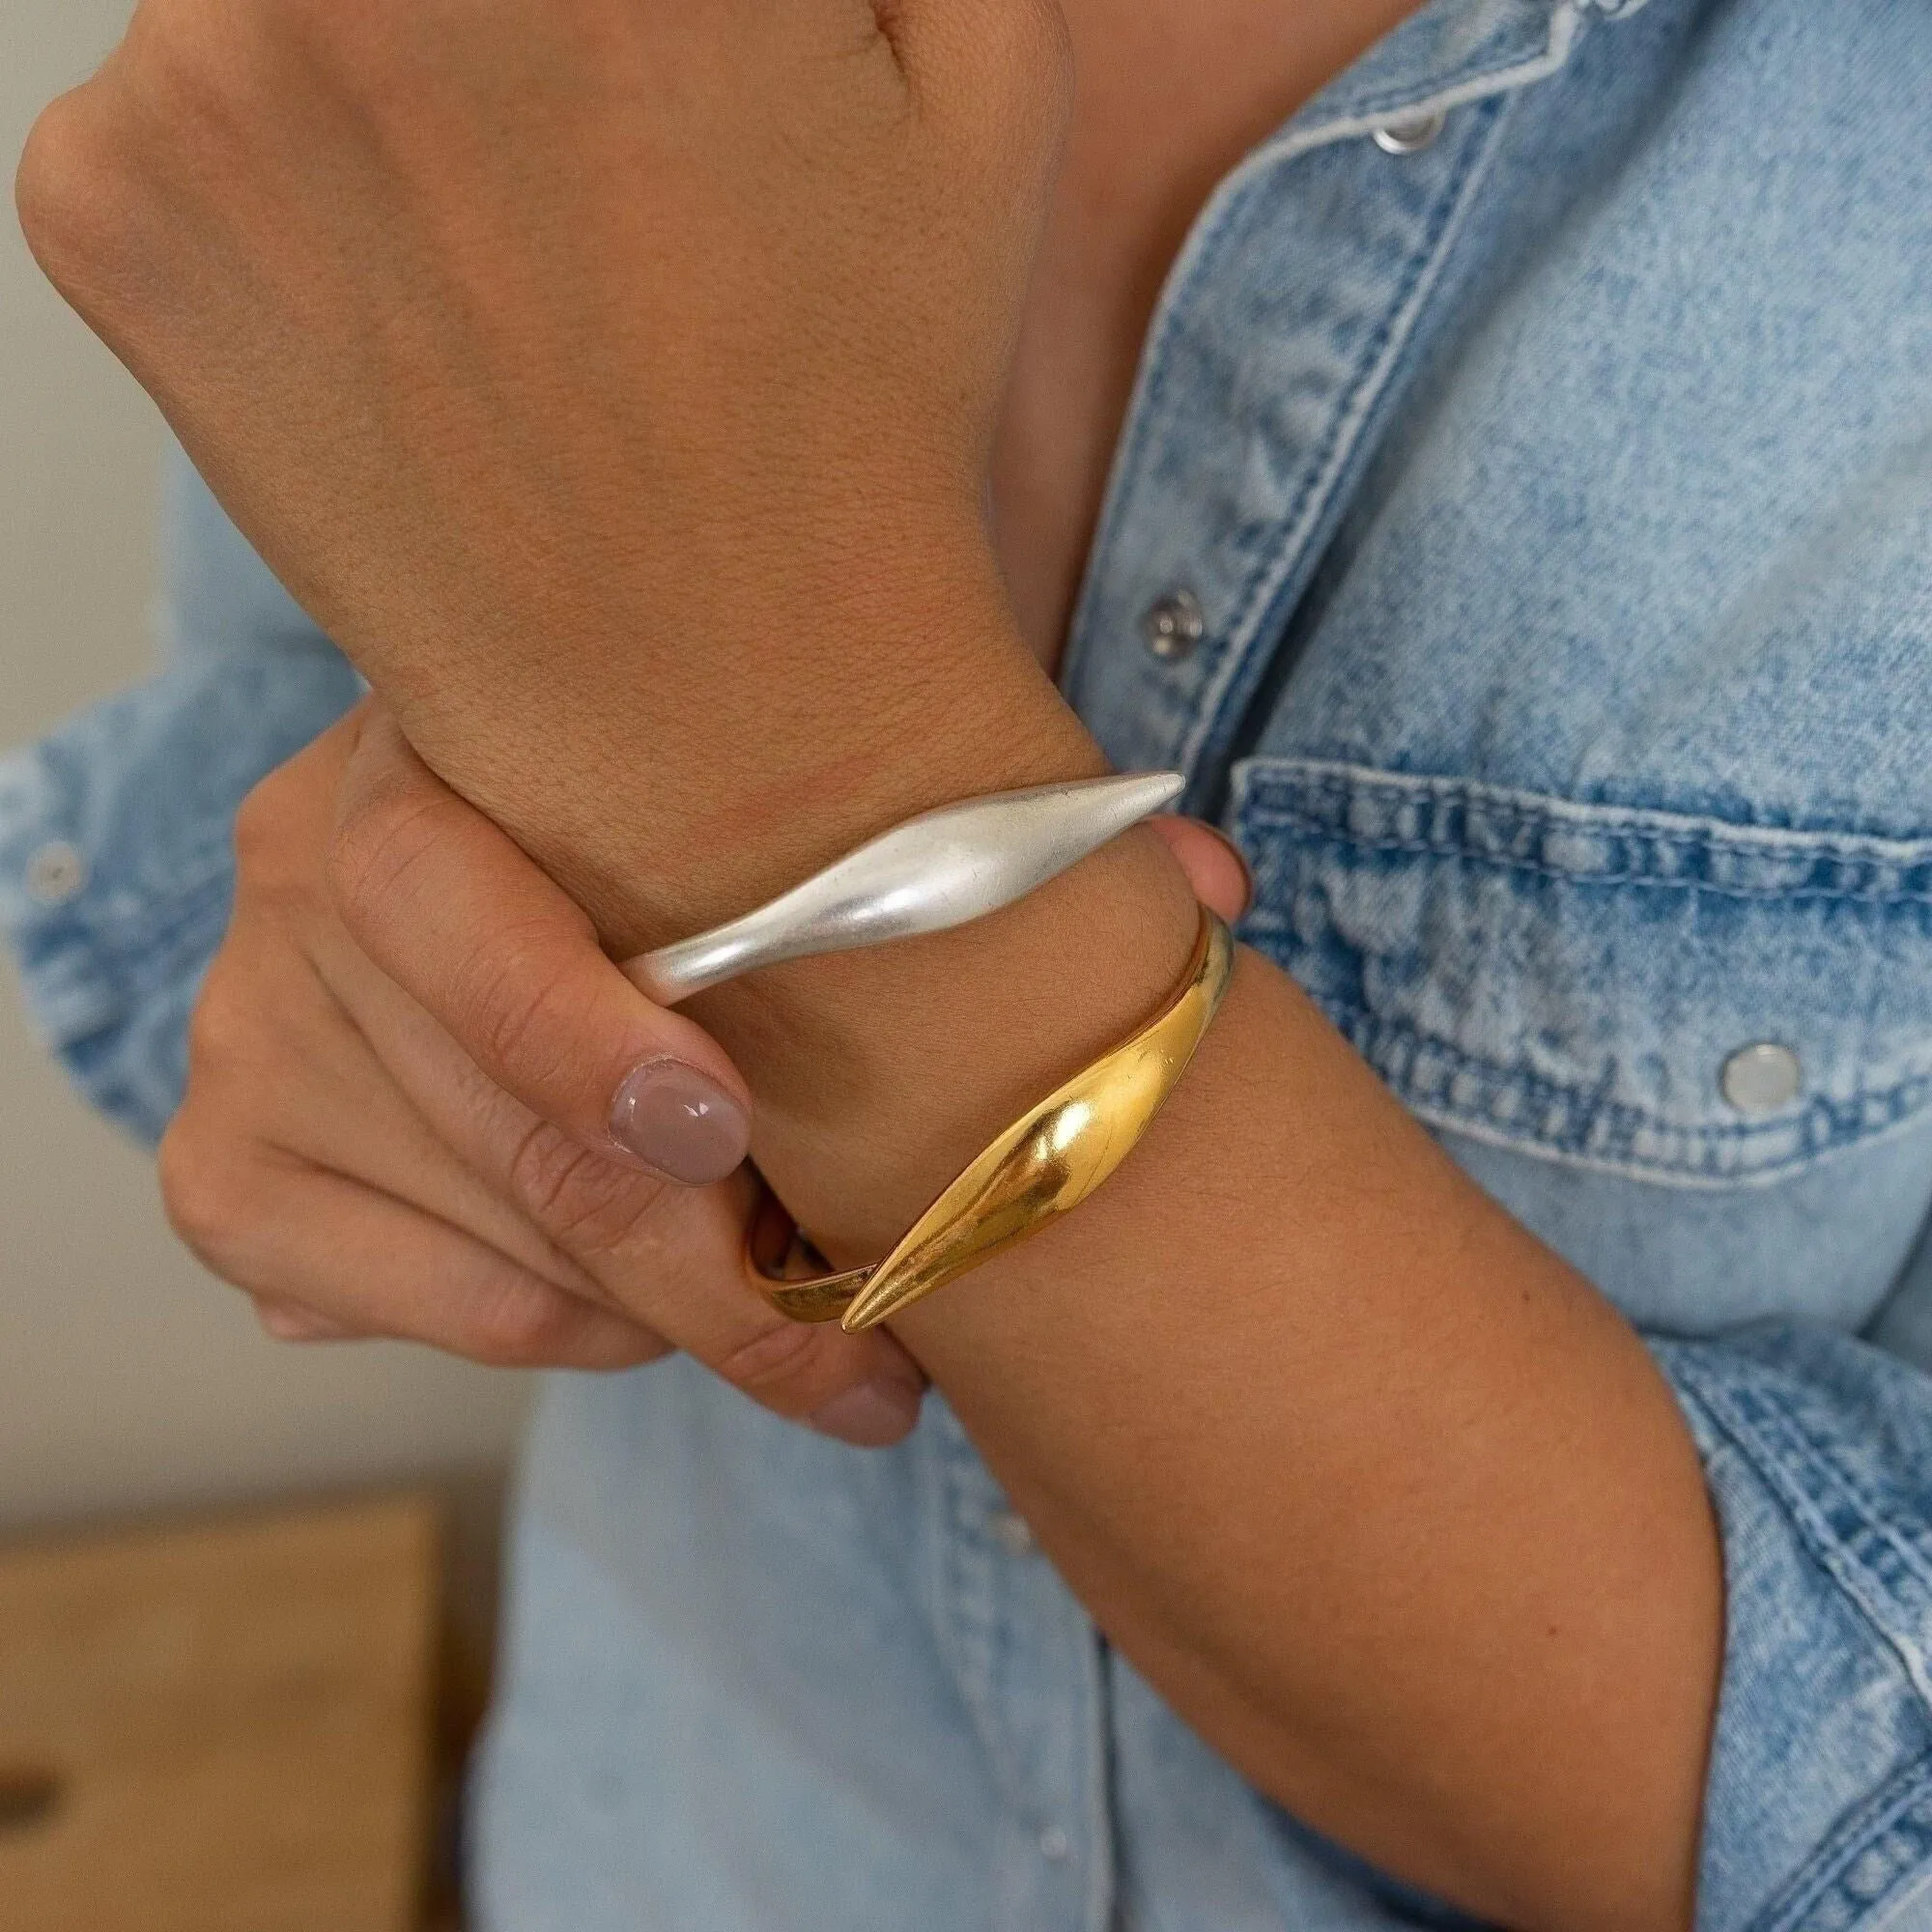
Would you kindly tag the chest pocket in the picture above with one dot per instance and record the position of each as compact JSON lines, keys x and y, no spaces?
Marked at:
{"x":1695,"y":1055}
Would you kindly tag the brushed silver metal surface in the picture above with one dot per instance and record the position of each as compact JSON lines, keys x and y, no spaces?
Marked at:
{"x":934,"y":873}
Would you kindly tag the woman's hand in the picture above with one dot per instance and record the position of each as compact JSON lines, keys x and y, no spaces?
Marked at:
{"x":519,"y":1158}
{"x":343,"y":1159}
{"x":613,"y":379}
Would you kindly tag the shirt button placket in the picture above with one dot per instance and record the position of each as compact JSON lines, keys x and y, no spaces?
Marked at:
{"x":1026,"y":1661}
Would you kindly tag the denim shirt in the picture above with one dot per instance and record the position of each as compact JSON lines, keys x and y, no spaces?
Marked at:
{"x":1522,"y":538}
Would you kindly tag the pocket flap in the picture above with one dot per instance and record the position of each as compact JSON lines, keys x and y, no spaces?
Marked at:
{"x":1681,"y":998}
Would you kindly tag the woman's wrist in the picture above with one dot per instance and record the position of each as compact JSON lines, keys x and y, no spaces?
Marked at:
{"x":876,"y":1074}
{"x":669,"y":794}
{"x":879,"y":1074}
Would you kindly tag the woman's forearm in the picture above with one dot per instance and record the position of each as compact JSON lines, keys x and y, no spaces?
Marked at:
{"x":1382,"y":1496}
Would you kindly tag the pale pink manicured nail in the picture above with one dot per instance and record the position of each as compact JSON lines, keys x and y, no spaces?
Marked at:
{"x":874,"y":1415}
{"x":680,"y":1121}
{"x":285,"y":1323}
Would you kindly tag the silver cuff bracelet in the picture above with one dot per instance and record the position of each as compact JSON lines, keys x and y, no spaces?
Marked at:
{"x":935,"y":872}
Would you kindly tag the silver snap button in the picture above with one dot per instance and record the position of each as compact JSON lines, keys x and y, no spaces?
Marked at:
{"x":1012,"y":1534}
{"x":1054,"y":1845}
{"x":1173,"y":626}
{"x":56,"y":872}
{"x":1410,"y":136}
{"x":1760,"y":1079}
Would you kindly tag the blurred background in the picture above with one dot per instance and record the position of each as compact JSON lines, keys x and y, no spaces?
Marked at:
{"x":133,"y":1388}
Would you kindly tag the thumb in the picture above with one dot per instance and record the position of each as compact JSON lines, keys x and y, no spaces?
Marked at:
{"x":1212,"y":861}
{"x":454,"y":911}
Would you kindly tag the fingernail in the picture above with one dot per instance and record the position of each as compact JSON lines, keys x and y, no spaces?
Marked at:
{"x":874,"y":1415}
{"x":285,"y":1323}
{"x":679,"y":1122}
{"x":1241,"y":859}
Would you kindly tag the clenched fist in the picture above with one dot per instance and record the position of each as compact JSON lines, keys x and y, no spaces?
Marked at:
{"x":614,"y":380}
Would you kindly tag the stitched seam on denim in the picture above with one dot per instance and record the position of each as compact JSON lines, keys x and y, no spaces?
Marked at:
{"x":1820,"y":1897}
{"x":1353,"y":408}
{"x":931,"y":1447}
{"x":1198,"y":255}
{"x":1681,"y":1180}
{"x":1279,"y":784}
{"x":1578,"y":875}
{"x":1145,"y":410}
{"x":1854,"y":1542}
{"x":1612,"y":1128}
{"x":1483,"y":75}
{"x":1285,"y":560}
{"x":1876,"y":1825}
{"x":103,"y":914}
{"x":1276,"y":787}
{"x":1895,"y":1902}
{"x":1202,"y":254}
{"x":1649,"y":881}
{"x":1103,"y":1880}
{"x":968,"y":1638}
{"x":1593,"y":1132}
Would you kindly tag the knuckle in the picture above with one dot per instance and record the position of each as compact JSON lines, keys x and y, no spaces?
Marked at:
{"x":377,"y":844}
{"x":591,"y":1208}
{"x":72,"y":201}
{"x":521,"y":1327}
{"x":259,"y":827}
{"x":515,"y":1011}
{"x":205,"y":1203}
{"x":222,"y":1035}
{"x":785,"y":1367}
{"x":275,"y":837}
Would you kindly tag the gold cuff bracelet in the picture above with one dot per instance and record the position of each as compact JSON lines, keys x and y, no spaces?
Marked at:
{"x":1047,"y":1162}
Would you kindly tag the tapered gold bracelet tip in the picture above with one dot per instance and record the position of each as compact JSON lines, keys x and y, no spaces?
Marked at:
{"x":1046,"y":1164}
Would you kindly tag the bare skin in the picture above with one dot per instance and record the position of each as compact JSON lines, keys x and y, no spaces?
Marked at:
{"x":1397,"y":1512}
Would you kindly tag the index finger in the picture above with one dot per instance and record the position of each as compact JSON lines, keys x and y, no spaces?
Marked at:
{"x":458,"y":916}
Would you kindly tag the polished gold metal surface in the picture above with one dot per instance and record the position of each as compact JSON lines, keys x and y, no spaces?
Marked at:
{"x":1044,"y":1164}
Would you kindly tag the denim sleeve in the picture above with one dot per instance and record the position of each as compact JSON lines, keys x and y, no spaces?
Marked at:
{"x":1817,"y":1448}
{"x":116,"y":866}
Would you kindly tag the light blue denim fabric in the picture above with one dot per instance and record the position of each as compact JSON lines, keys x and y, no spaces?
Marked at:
{"x":1558,"y":496}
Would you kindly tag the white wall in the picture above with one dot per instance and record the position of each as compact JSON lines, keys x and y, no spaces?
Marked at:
{"x":129,"y":1378}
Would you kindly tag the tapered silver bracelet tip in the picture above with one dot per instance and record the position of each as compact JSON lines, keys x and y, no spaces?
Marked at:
{"x":941,"y":870}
